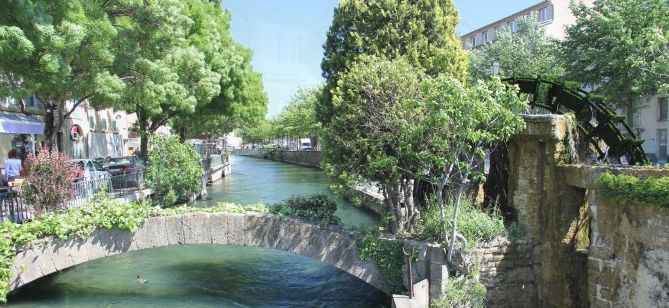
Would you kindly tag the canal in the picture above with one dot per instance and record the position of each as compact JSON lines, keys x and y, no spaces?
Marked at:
{"x":215,"y":275}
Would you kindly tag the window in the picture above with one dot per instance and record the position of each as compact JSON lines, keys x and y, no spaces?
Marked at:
{"x":114,"y":127}
{"x":497,"y":29}
{"x":91,"y":122}
{"x":512,"y":25}
{"x":484,"y":37}
{"x":472,"y":41}
{"x":543,"y":14}
{"x":103,"y":124}
{"x":663,"y":103}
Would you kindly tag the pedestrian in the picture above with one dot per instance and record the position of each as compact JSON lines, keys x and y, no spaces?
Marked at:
{"x":12,"y":165}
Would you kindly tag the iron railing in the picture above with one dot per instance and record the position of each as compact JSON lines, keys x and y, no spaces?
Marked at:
{"x":12,"y":208}
{"x":113,"y":186}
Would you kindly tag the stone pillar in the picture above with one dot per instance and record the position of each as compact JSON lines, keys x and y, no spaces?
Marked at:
{"x":546,"y":207}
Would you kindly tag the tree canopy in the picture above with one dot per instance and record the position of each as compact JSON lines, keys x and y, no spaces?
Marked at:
{"x":60,"y":50}
{"x":526,"y":52}
{"x":617,"y":47}
{"x":421,"y":31}
{"x":298,"y":118}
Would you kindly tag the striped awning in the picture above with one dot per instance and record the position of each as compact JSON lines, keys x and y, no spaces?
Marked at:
{"x":20,"y":124}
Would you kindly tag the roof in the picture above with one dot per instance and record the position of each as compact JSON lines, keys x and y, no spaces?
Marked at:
{"x":20,"y":124}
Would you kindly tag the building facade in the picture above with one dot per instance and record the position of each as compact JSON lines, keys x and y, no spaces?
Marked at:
{"x":87,"y":133}
{"x":650,"y":121}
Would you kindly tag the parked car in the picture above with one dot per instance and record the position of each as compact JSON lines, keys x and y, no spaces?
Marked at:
{"x":123,"y":165}
{"x":90,"y":169}
{"x":126,"y":171}
{"x":92,"y":177}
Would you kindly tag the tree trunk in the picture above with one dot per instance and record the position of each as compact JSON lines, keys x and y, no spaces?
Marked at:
{"x":182,"y":134}
{"x":49,"y":125}
{"x":391,"y":194}
{"x":442,"y":215}
{"x":456,"y":208}
{"x":629,"y":106}
{"x":143,"y":135}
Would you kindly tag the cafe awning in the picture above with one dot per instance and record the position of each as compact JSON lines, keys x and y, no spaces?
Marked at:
{"x":20,"y":124}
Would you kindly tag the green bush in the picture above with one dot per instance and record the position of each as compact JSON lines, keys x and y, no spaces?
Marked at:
{"x":387,"y":256}
{"x":632,"y":189}
{"x":474,"y":224}
{"x":174,"y":171}
{"x":320,"y":207}
{"x":469,"y":293}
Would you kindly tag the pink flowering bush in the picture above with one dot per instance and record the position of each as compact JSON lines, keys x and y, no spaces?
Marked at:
{"x":49,"y":180}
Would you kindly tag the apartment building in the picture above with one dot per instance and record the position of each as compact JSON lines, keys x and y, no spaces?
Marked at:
{"x":650,"y":122}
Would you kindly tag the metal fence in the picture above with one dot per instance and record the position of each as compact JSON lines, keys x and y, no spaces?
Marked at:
{"x":113,"y":186}
{"x":11,"y":207}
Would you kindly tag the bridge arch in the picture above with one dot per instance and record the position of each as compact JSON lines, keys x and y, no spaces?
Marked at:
{"x":333,"y":247}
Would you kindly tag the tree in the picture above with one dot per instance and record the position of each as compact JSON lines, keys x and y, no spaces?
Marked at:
{"x":241,"y":98}
{"x":610,"y":45}
{"x":166,"y":72}
{"x":60,"y":51}
{"x":421,"y":31}
{"x":298,"y":118}
{"x":174,"y":171}
{"x":526,"y":52}
{"x":458,"y":124}
{"x":262,"y":132}
{"x":368,"y":133}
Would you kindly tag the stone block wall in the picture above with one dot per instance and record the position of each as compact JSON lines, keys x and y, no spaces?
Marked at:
{"x":628,"y":257}
{"x":507,"y":270}
{"x":623,"y":260}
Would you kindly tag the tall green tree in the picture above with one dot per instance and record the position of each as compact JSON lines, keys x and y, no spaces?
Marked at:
{"x":611,"y":45}
{"x":298,"y":118}
{"x":241,"y":99}
{"x":167,"y":70}
{"x":260,"y":133}
{"x":422,"y":31}
{"x":526,"y":52}
{"x":60,"y":50}
{"x":459,"y":123}
{"x":367,"y":138}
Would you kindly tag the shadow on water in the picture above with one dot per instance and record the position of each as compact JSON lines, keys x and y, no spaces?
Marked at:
{"x":201,"y":275}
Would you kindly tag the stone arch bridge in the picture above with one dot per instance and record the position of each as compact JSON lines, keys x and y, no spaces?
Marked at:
{"x":331,"y":246}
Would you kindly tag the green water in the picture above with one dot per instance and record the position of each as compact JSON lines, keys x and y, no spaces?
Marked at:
{"x":201,"y":276}
{"x":217,"y":275}
{"x":257,"y":180}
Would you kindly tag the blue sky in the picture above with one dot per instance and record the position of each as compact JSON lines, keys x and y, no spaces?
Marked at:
{"x":287,"y":36}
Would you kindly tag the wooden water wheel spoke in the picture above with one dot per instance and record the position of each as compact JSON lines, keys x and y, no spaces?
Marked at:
{"x":588,"y":109}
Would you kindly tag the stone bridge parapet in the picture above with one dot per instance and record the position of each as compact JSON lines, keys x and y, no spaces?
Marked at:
{"x":332,"y":246}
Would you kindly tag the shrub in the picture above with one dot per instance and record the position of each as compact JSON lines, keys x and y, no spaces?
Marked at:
{"x":469,"y":293}
{"x":174,"y":171}
{"x":474,"y":224}
{"x":631,"y":189}
{"x":49,"y":180}
{"x":320,"y":207}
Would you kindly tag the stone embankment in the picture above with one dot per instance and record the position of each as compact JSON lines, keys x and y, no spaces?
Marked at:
{"x":302,"y":158}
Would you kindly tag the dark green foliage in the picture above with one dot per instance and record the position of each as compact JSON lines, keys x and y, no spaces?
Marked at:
{"x":319,"y":206}
{"x":388,"y":257}
{"x":421,"y":31}
{"x":631,"y":189}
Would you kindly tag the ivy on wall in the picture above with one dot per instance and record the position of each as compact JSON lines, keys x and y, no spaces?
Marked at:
{"x":631,"y":189}
{"x":387,"y":255}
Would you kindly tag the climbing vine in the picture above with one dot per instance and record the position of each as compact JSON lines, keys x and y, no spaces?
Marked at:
{"x":388,"y":257}
{"x":80,"y":222}
{"x":631,"y":189}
